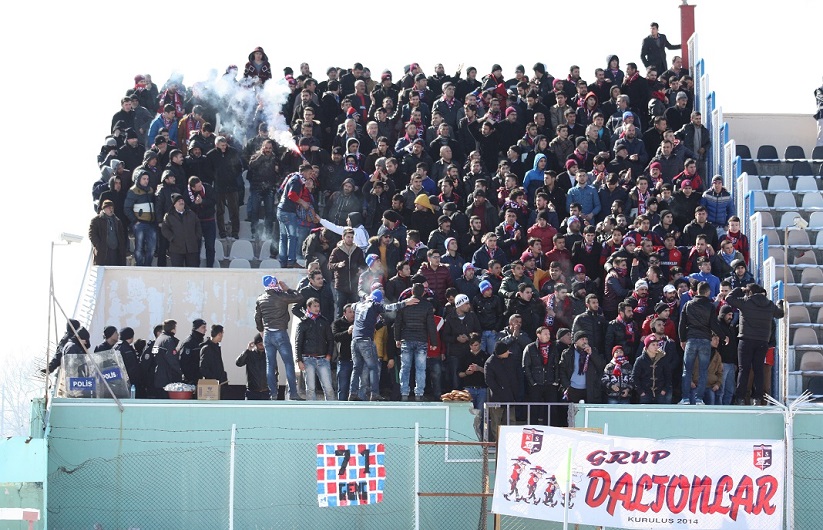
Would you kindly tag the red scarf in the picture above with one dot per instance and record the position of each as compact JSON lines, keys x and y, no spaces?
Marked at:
{"x":544,"y":351}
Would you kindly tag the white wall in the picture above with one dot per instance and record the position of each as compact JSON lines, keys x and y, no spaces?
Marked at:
{"x":779,"y":130}
{"x":143,"y":297}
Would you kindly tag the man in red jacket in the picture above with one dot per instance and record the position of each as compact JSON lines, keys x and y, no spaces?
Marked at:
{"x":437,"y":276}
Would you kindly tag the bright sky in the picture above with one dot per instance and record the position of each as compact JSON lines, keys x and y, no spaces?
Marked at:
{"x":66,"y":68}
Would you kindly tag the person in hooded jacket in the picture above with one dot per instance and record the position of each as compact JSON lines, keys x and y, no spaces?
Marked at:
{"x":211,"y":357}
{"x":71,"y":326}
{"x":343,"y":202}
{"x":139,"y":208}
{"x":258,"y":66}
{"x":757,"y":314}
{"x":131,"y":152}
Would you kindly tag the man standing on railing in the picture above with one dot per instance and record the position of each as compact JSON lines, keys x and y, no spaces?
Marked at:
{"x":818,"y":96}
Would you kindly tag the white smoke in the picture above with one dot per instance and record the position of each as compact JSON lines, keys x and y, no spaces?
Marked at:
{"x":274,"y":95}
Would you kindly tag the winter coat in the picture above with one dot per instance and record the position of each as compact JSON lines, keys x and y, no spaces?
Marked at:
{"x":98,"y":229}
{"x":225,"y":169}
{"x":324,"y":295}
{"x":651,"y":376}
{"x":167,"y":357}
{"x":314,"y":338}
{"x":211,"y":362}
{"x":190,"y":357}
{"x":719,"y":206}
{"x":139,"y":205}
{"x":622,"y":378}
{"x":697,"y":320}
{"x":595,"y":327}
{"x":272,"y":309}
{"x":255,"y":363}
{"x":346,"y":264}
{"x":538,"y":373}
{"x":130,"y":361}
{"x":594,"y":388}
{"x":756,"y":314}
{"x":501,"y":378}
{"x":415,"y":323}
{"x":489,"y":312}
{"x":183,"y":232}
{"x":453,"y":327}
{"x":439,"y":280}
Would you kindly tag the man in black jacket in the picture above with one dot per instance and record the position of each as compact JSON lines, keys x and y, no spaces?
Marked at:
{"x":458,"y":325}
{"x":414,"y":330}
{"x":501,"y":379}
{"x":342,"y":329}
{"x":211,"y":357}
{"x":757,"y":314}
{"x":202,"y":199}
{"x":190,"y":352}
{"x":540,"y":364}
{"x":581,"y":367}
{"x":653,"y":51}
{"x":314,"y":345}
{"x":129,"y":356}
{"x":592,"y":323}
{"x":226,"y":167}
{"x":254,"y":359}
{"x":167,"y":357}
{"x":697,"y":323}
{"x":316,"y":288}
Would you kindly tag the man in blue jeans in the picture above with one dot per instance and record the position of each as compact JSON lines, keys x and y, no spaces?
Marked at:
{"x":414,"y":329}
{"x":363,"y":349}
{"x":697,"y":322}
{"x":272,"y":319}
{"x":294,"y":195}
{"x":315,"y":344}
{"x":343,"y":328}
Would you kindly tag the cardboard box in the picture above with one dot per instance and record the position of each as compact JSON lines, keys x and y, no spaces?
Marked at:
{"x":208,"y":389}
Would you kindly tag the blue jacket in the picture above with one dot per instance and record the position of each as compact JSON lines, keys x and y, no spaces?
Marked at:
{"x":366,"y":314}
{"x":718,"y":206}
{"x":587,"y":197}
{"x":711,"y":279}
{"x":481,"y":257}
{"x":534,"y":178}
{"x":156,"y":125}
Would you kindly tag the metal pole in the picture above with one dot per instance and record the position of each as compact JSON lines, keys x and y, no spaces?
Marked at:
{"x":568,"y":489}
{"x":784,"y":355}
{"x":231,"y":474}
{"x":48,"y":324}
{"x":788,"y":418}
{"x":416,"y":475}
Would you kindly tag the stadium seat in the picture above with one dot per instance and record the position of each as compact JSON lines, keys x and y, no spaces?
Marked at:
{"x":742,"y":151}
{"x":816,"y":294}
{"x":801,"y":167}
{"x":269,"y":263}
{"x":240,"y":263}
{"x":792,"y":293}
{"x":788,"y":217}
{"x":241,"y":248}
{"x":749,"y":167}
{"x":805,"y":337}
{"x":798,"y":237}
{"x":807,"y":257}
{"x":766,"y":219}
{"x":775,"y":237}
{"x":219,"y":255}
{"x":805,"y":182}
{"x":245,"y":230}
{"x":265,"y":251}
{"x":767,"y":152}
{"x":778,"y":183}
{"x":799,"y":314}
{"x":794,"y":152}
{"x":760,"y":201}
{"x":816,"y":220}
{"x":778,"y":273}
{"x":819,"y":241}
{"x":811,"y":361}
{"x":813,"y":200}
{"x":776,"y":253}
{"x":811,"y":275}
{"x":785,"y":201}
{"x":753,"y":182}
{"x":817,"y":152}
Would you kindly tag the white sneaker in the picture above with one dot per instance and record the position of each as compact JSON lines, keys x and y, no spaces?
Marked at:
{"x":684,"y":402}
{"x":699,"y":402}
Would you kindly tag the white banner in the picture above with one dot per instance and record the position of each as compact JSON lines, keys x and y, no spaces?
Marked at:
{"x":637,"y":482}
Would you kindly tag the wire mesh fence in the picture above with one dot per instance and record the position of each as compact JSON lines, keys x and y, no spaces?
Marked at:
{"x":807,"y":480}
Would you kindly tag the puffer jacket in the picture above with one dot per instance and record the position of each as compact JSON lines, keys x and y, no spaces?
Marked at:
{"x":756,"y":314}
{"x":697,"y":320}
{"x":139,"y":204}
{"x":621,"y":378}
{"x":314,"y":338}
{"x":508,"y":289}
{"x":415,"y":323}
{"x":439,"y":280}
{"x":489,"y":311}
{"x":595,"y":327}
{"x":453,"y":327}
{"x":346,"y":264}
{"x":719,"y":206}
{"x":538,"y":373}
{"x":272,"y":309}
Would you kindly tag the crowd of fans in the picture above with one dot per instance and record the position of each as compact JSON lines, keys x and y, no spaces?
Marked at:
{"x":528,"y":239}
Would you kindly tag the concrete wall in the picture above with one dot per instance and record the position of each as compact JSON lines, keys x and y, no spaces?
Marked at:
{"x":143,"y":297}
{"x":779,"y":130}
{"x":167,"y":464}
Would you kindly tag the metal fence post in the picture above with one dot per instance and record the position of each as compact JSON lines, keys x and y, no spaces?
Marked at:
{"x":231,"y":474}
{"x":416,"y":476}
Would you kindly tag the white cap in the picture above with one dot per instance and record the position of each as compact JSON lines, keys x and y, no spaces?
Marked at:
{"x":641,"y":284}
{"x":669,"y":288}
{"x":460,"y":299}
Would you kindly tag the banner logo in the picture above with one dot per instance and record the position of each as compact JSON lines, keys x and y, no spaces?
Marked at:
{"x":532,"y":441}
{"x":762,"y":456}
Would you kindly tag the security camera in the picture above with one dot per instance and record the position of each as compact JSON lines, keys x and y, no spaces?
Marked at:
{"x":71,"y":238}
{"x":800,"y":223}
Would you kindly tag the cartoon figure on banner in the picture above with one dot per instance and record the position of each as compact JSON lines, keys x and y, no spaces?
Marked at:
{"x":519,"y":466}
{"x":548,"y":495}
{"x":535,"y":475}
{"x":762,"y":456}
{"x":577,"y":476}
{"x":531,"y":441}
